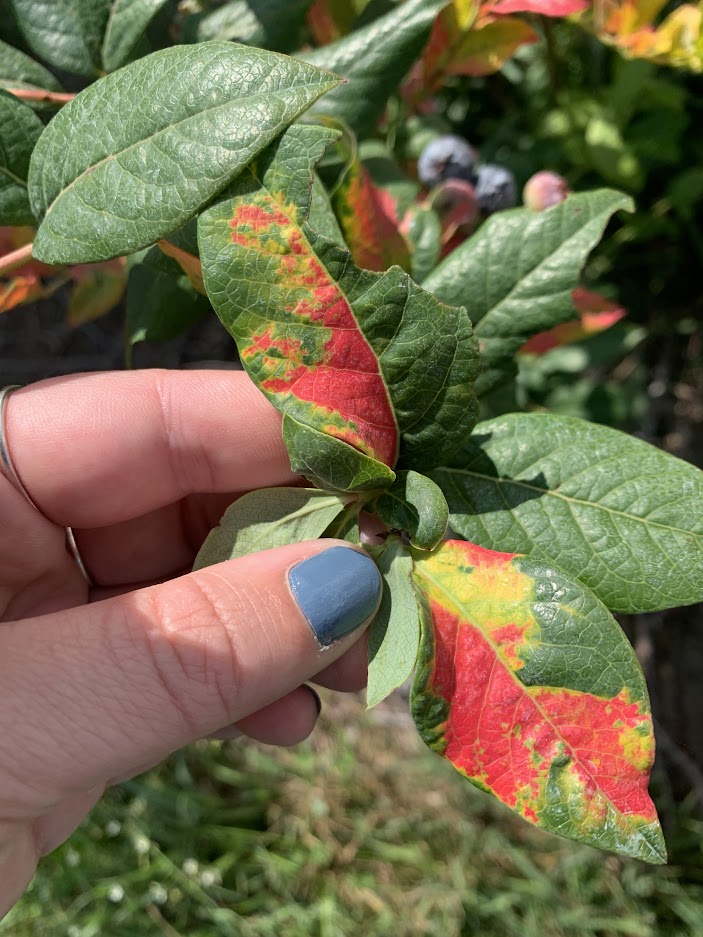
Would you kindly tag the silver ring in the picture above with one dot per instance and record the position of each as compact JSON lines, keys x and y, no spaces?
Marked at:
{"x":10,"y":473}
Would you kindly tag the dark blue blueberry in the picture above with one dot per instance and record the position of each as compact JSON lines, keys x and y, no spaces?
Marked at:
{"x":495,"y":188}
{"x":447,"y":157}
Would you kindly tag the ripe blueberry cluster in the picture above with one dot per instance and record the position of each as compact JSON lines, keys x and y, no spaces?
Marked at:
{"x":450,"y":157}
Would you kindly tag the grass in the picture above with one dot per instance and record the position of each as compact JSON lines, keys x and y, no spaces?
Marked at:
{"x":360,"y":831}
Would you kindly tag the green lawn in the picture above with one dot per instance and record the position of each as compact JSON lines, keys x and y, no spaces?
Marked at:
{"x":359,"y":832}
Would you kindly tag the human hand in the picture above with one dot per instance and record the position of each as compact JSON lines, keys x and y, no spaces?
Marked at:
{"x":98,"y":683}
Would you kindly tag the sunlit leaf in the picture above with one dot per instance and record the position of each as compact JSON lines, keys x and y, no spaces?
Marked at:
{"x":620,"y":515}
{"x":364,"y":366}
{"x":269,"y":518}
{"x":527,"y":685}
{"x":394,"y":635}
{"x":133,"y":174}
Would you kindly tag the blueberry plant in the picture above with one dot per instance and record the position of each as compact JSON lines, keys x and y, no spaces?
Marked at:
{"x":373,"y":307}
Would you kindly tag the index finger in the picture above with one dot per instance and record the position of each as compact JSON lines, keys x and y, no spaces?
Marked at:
{"x":101,"y":448}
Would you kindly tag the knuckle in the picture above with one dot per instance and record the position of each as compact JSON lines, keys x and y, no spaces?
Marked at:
{"x":191,"y":645}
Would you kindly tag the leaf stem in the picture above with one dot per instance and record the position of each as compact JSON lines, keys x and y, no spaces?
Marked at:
{"x":16,"y":259}
{"x":43,"y":95}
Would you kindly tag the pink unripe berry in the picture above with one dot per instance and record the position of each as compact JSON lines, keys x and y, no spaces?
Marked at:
{"x":544,"y":190}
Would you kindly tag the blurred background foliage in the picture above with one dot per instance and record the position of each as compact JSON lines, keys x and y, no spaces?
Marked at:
{"x":361,"y":830}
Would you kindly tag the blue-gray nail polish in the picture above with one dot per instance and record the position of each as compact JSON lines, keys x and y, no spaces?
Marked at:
{"x":336,"y":590}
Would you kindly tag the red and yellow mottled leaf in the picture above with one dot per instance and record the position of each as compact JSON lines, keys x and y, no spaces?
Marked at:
{"x":630,"y":27}
{"x":596,"y":313}
{"x":368,"y":360}
{"x":527,"y":685}
{"x":543,"y":7}
{"x":368,"y":216}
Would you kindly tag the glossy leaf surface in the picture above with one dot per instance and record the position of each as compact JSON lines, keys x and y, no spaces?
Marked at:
{"x":394,"y":635}
{"x":415,"y":505}
{"x":353,"y":358}
{"x":517,"y":273}
{"x":268,"y":518}
{"x":527,"y":685}
{"x":18,"y":70}
{"x":322,"y":217}
{"x":374,"y":60}
{"x":66,"y":33}
{"x":20,"y":128}
{"x":623,"y":517}
{"x":125,"y":26}
{"x":108,"y":180}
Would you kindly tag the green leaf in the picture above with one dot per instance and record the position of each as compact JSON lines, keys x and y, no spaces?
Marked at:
{"x":611,"y":510}
{"x":268,"y":518}
{"x":161,"y":301}
{"x":107,"y":178}
{"x":368,"y":358}
{"x":322,"y":217}
{"x":346,"y":525}
{"x":526,"y":684}
{"x":516,"y":274}
{"x":65,"y":33}
{"x":424,"y":232}
{"x":18,"y":70}
{"x":415,"y":505}
{"x":329,"y":462}
{"x":270,"y":24}
{"x":374,"y":60}
{"x":20,"y":128}
{"x":394,"y":634}
{"x":125,"y":27}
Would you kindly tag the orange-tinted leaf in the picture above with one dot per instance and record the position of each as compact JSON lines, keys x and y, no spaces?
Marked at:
{"x":596,"y":313}
{"x":543,"y":7}
{"x":189,"y":264}
{"x":368,"y":217}
{"x":527,"y":685}
{"x":480,"y":49}
{"x":13,"y":237}
{"x":630,"y":26}
{"x":329,"y":20}
{"x":21,"y":289}
{"x":99,"y":287}
{"x":448,"y":32}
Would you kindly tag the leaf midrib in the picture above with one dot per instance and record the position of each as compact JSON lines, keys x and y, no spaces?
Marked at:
{"x":570,"y":499}
{"x":525,"y":689}
{"x":509,"y":295}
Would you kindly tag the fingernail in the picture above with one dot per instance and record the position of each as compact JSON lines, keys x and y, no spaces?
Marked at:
{"x":337,"y":591}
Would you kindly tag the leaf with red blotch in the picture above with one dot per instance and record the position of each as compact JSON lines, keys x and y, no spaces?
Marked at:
{"x":329,"y":21}
{"x":596,"y":313}
{"x":527,"y":685}
{"x":368,"y":369}
{"x":368,"y":216}
{"x":543,"y":7}
{"x":189,"y":263}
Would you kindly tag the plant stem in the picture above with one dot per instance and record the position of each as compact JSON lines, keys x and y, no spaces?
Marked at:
{"x":16,"y":259}
{"x":42,"y":94}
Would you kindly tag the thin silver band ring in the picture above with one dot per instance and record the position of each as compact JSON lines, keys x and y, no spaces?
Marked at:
{"x":10,"y":472}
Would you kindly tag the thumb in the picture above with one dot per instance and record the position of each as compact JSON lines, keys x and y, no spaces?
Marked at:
{"x":89,"y":692}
